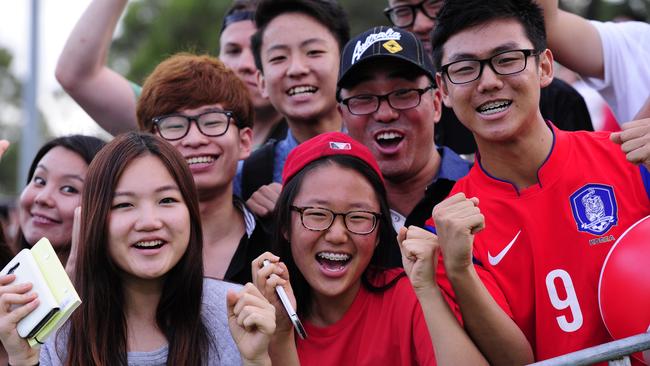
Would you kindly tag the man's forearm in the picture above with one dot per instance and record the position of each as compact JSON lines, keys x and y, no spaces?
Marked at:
{"x":494,"y":333}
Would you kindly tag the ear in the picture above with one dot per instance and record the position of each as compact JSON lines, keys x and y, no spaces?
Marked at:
{"x":261,"y":84}
{"x":545,"y":68}
{"x":437,"y":105}
{"x":342,"y":114}
{"x":442,"y":87}
{"x":245,"y":142}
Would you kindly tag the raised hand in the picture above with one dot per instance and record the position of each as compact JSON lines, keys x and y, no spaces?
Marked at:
{"x":266,"y":278}
{"x":457,"y":219}
{"x":635,"y":141}
{"x":71,"y":264}
{"x":419,"y":256}
{"x":251,"y":319}
{"x":262,"y":201}
{"x":16,"y":301}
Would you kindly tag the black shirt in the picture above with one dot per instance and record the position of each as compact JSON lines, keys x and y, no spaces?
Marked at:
{"x":254,"y":242}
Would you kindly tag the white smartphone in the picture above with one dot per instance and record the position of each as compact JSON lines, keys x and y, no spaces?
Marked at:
{"x":25,"y":268}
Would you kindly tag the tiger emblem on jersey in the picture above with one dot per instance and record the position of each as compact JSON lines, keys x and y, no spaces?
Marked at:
{"x":594,"y":208}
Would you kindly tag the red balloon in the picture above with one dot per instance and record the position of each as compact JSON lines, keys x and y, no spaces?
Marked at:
{"x":624,"y":286}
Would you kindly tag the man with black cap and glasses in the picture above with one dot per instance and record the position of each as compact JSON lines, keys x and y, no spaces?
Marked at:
{"x":389,"y":102}
{"x":559,"y":102}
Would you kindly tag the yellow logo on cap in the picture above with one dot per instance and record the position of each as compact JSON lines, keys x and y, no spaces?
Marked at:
{"x":392,"y":46}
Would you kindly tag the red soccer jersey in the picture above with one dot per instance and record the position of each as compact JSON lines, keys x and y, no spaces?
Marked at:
{"x":380,"y":328}
{"x":544,"y":246}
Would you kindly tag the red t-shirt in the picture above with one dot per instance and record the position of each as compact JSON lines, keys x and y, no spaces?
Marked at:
{"x":544,"y":246}
{"x":383,"y":328}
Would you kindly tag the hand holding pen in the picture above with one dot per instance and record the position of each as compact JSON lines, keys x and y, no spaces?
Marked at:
{"x":272,"y":279}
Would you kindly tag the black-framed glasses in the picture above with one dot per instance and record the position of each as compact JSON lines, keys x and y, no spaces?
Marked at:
{"x":403,"y":16}
{"x":503,"y":63}
{"x":213,"y":122}
{"x":399,"y":99}
{"x":319,"y":219}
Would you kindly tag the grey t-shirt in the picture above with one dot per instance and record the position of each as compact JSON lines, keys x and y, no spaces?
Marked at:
{"x":222,"y":351}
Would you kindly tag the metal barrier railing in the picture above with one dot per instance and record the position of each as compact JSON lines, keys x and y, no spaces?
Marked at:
{"x":616,"y":352}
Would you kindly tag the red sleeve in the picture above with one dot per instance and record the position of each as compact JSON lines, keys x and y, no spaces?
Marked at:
{"x":485,"y":277}
{"x":421,"y":345}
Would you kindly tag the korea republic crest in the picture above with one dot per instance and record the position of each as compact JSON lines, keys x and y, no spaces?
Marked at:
{"x":594,"y":208}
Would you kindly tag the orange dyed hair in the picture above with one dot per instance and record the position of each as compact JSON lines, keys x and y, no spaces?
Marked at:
{"x":187,"y":81}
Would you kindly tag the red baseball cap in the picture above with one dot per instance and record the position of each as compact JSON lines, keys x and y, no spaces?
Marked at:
{"x":326,"y":144}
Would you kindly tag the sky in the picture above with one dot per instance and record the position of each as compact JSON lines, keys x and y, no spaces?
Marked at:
{"x":57,"y":18}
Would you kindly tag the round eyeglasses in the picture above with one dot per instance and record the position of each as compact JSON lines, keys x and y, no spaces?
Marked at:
{"x":320,"y":219}
{"x":503,"y":63}
{"x":213,"y":123}
{"x":399,"y":99}
{"x":403,"y":16}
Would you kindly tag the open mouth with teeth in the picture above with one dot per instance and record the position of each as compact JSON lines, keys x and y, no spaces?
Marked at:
{"x":148,"y":245}
{"x":494,"y":107}
{"x":389,"y":139}
{"x":303,"y":89}
{"x":207,"y":159}
{"x":40,"y":219}
{"x":333,"y":262}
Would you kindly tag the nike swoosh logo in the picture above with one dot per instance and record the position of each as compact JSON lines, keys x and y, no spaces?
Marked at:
{"x":495,"y":260}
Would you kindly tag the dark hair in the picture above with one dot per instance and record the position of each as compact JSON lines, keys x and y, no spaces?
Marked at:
{"x":458,"y":15}
{"x":84,"y":146}
{"x":238,"y":11}
{"x":372,"y":275}
{"x":185,"y":80}
{"x":98,"y":329}
{"x":326,"y":12}
{"x":5,"y":251}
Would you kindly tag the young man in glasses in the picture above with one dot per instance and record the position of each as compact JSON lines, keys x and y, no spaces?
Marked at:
{"x":183,"y":103}
{"x":541,"y":207}
{"x":388,"y":101}
{"x":560,"y":103}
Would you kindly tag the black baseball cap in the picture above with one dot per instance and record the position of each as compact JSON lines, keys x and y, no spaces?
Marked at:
{"x":383,"y":42}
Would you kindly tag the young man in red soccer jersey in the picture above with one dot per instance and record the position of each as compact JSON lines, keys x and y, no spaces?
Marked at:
{"x":541,"y":207}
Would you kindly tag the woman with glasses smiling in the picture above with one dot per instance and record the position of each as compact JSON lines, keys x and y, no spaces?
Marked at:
{"x":333,"y":232}
{"x":205,"y":111}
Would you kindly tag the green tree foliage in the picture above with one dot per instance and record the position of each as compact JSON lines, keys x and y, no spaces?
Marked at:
{"x":9,"y":85}
{"x":11,"y":115}
{"x":155,"y":29}
{"x":10,"y":92}
{"x":609,"y":9}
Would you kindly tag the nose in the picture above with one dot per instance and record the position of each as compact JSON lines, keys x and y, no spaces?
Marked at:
{"x":337,"y":233}
{"x":148,"y":218}
{"x":489,"y":80}
{"x":194,"y":137}
{"x":385,"y":113}
{"x":422,"y":24}
{"x":297,"y":66}
{"x":44,"y":197}
{"x":246,"y":63}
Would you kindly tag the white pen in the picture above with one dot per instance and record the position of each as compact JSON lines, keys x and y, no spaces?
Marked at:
{"x":289,"y":309}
